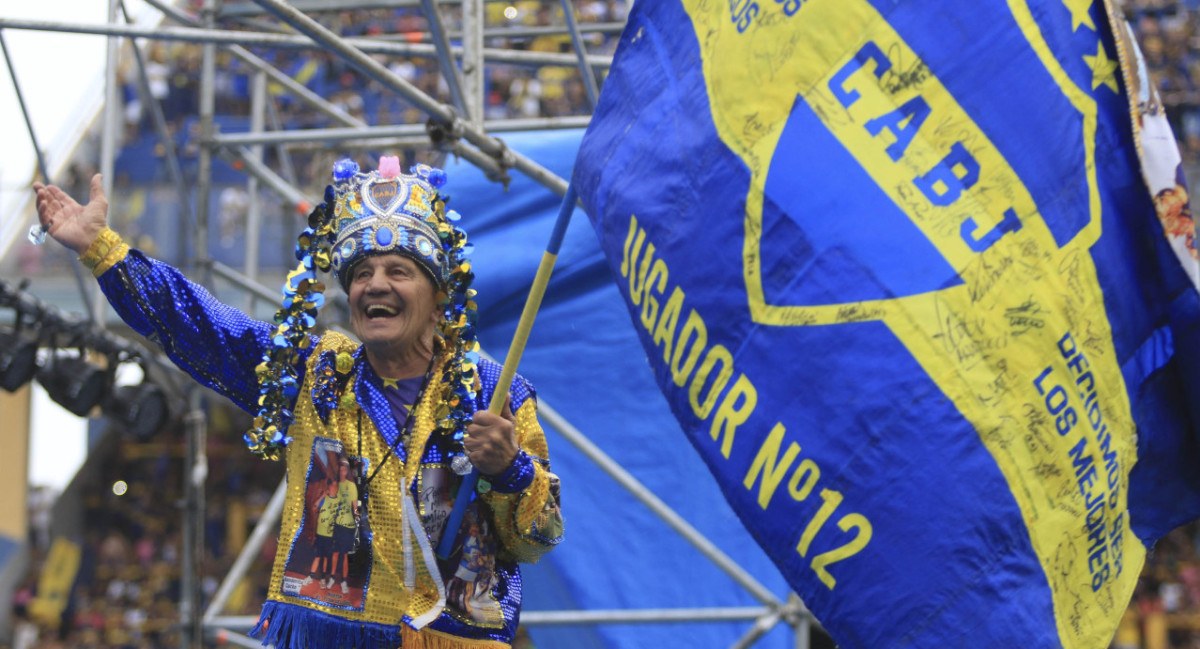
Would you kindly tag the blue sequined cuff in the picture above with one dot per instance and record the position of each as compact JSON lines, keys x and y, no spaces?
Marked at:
{"x":517,"y":477}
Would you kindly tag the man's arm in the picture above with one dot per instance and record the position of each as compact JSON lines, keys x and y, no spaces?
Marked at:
{"x":217,"y":344}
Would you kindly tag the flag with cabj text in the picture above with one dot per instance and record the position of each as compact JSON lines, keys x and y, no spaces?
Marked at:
{"x":918,"y":281}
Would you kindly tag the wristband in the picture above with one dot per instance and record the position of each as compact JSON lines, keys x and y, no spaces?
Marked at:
{"x":517,"y":477}
{"x":105,"y":251}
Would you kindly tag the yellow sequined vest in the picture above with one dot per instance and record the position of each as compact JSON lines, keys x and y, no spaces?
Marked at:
{"x":400,"y":583}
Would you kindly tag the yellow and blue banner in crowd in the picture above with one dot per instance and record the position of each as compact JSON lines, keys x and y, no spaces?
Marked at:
{"x":918,"y":281}
{"x":56,"y":581}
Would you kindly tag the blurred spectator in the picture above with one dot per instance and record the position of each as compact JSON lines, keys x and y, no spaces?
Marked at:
{"x":1167,"y":31}
{"x":234,"y":204}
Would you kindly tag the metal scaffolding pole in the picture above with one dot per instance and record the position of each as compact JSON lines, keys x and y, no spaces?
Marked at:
{"x":414,"y":142}
{"x":112,"y":103}
{"x":195,"y":472}
{"x":250,"y":9}
{"x":197,"y":461}
{"x":253,"y":205}
{"x":760,"y":628}
{"x":266,"y":523}
{"x":589,"y":78}
{"x":580,"y":618}
{"x":273,"y":181}
{"x":258,"y":109}
{"x":330,"y":135}
{"x":445,"y":59}
{"x":533,"y":32}
{"x":472,"y":61}
{"x":285,"y":159}
{"x":516,"y":31}
{"x":367,"y":45}
{"x":801,"y":623}
{"x":108,"y":139}
{"x":208,"y":68}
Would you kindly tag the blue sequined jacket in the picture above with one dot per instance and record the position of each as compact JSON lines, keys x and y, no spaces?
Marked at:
{"x":374,"y":583}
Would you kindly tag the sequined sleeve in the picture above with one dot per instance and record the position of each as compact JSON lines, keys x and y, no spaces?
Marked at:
{"x":215,"y":343}
{"x":526,"y":506}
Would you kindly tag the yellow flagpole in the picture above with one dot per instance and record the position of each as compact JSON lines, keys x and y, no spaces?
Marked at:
{"x":515,"y":349}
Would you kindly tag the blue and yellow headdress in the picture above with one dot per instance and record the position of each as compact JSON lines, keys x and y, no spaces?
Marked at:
{"x":389,"y":212}
{"x":377,"y":212}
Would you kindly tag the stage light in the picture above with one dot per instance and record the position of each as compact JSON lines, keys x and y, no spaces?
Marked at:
{"x":70,"y":379}
{"x":73,"y":383}
{"x":18,"y":359}
{"x":140,"y":409}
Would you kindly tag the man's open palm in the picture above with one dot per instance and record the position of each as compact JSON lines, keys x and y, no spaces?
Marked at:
{"x":71,"y":224}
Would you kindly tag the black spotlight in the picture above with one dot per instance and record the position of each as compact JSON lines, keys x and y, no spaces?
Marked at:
{"x":18,"y":359}
{"x":141,"y":409}
{"x":74,"y":383}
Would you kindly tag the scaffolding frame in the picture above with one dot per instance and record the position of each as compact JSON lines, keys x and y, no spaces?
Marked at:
{"x":457,"y":128}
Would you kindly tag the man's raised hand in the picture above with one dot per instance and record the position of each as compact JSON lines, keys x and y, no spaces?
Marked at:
{"x":71,"y":224}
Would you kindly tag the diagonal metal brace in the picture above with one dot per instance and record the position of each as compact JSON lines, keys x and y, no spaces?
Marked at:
{"x":447,"y":136}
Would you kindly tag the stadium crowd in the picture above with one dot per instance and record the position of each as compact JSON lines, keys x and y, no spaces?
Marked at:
{"x":128,"y":583}
{"x":511,"y":91}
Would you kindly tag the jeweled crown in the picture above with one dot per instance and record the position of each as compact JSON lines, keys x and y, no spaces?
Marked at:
{"x":386,"y":211}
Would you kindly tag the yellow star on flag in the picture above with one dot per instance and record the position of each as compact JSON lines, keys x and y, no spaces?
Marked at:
{"x":1103,"y":68}
{"x":1080,"y":13}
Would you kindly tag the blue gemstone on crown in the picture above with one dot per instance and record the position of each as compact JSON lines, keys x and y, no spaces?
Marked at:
{"x":344,"y":169}
{"x":436,"y":177}
{"x":384,"y":237}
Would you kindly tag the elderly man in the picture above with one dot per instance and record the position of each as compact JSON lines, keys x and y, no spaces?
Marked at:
{"x":390,"y":421}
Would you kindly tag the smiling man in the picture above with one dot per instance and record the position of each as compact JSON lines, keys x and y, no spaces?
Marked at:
{"x":392,"y":311}
{"x":376,"y":434}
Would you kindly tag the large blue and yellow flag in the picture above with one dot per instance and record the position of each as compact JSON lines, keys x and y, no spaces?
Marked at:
{"x":918,"y":281}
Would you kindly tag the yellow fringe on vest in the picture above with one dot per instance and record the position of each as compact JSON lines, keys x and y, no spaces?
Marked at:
{"x":430,"y":639}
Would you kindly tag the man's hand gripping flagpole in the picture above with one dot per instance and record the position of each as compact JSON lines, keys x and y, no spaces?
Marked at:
{"x":515,"y":349}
